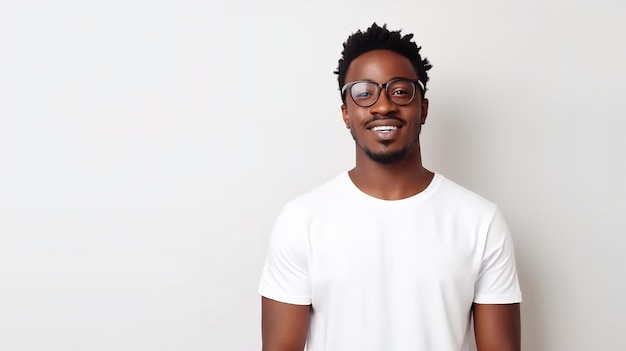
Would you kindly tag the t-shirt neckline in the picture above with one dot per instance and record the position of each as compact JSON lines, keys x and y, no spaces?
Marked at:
{"x":432,"y":186}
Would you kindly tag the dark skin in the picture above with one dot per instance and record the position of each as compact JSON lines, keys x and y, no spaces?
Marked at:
{"x":372,"y":177}
{"x":497,"y":327}
{"x":285,"y":326}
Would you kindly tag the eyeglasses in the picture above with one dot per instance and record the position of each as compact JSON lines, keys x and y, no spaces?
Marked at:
{"x":400,"y":91}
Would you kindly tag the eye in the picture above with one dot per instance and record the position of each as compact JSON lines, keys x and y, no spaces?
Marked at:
{"x":364,"y":90}
{"x":400,"y":92}
{"x":401,"y":89}
{"x":362,"y":94}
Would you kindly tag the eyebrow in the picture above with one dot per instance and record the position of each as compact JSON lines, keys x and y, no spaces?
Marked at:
{"x":392,"y":78}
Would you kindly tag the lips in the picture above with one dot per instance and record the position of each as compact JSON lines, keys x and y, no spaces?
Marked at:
{"x":386,"y":124}
{"x":385,"y":129}
{"x":380,"y":120}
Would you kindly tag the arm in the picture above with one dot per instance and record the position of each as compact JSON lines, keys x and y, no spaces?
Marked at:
{"x":497,"y":327}
{"x":284,"y":326}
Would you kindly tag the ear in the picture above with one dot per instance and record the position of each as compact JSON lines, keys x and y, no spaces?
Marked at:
{"x":344,"y":114}
{"x":424,"y":108}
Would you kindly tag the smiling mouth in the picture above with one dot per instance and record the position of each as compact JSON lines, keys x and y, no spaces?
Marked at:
{"x":384,"y":129}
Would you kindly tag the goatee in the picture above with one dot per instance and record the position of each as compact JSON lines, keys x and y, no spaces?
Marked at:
{"x":386,"y":158}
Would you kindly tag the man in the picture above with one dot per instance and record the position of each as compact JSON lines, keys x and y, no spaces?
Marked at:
{"x":388,"y":256}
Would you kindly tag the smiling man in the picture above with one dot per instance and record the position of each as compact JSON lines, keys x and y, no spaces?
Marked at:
{"x":389,"y":255}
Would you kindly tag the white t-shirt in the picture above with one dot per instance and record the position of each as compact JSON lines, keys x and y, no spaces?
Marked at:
{"x":390,"y":275}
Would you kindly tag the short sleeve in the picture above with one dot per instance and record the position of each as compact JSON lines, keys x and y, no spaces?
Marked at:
{"x":285,"y":277}
{"x":497,"y":281}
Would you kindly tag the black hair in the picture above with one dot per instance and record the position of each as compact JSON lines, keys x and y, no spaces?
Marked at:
{"x":380,"y":38}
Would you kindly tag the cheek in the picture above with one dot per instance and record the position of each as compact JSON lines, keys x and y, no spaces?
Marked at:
{"x":349,"y":118}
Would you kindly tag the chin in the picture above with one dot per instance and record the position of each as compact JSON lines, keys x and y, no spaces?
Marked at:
{"x":387,"y":157}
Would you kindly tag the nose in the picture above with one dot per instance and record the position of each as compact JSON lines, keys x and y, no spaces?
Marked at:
{"x":383,"y":105}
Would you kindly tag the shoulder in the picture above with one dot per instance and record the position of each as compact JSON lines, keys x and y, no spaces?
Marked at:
{"x":300,"y":210}
{"x":321,"y":196}
{"x":455,"y":197}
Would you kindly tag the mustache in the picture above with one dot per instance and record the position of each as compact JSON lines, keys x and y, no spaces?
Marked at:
{"x":384,"y":117}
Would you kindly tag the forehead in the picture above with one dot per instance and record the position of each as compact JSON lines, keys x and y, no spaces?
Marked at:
{"x":380,"y":66}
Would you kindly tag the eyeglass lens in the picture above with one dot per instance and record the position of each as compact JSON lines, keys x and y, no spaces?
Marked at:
{"x":400,"y":92}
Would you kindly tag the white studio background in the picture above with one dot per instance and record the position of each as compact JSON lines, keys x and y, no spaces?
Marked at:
{"x":146,"y":147}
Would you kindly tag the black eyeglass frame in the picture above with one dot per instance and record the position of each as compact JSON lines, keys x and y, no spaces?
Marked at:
{"x":381,"y":86}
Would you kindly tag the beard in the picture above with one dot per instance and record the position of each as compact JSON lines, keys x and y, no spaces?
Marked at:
{"x":386,"y":158}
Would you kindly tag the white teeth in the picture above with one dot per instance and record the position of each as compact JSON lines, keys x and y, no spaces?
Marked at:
{"x":384,"y":128}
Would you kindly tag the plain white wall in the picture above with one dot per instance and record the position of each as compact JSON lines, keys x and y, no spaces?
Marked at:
{"x":146,"y":147}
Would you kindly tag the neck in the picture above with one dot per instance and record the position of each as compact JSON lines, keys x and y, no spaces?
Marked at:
{"x":394,"y":181}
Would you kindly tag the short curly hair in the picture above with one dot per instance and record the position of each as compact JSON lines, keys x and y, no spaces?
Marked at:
{"x":380,"y":38}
